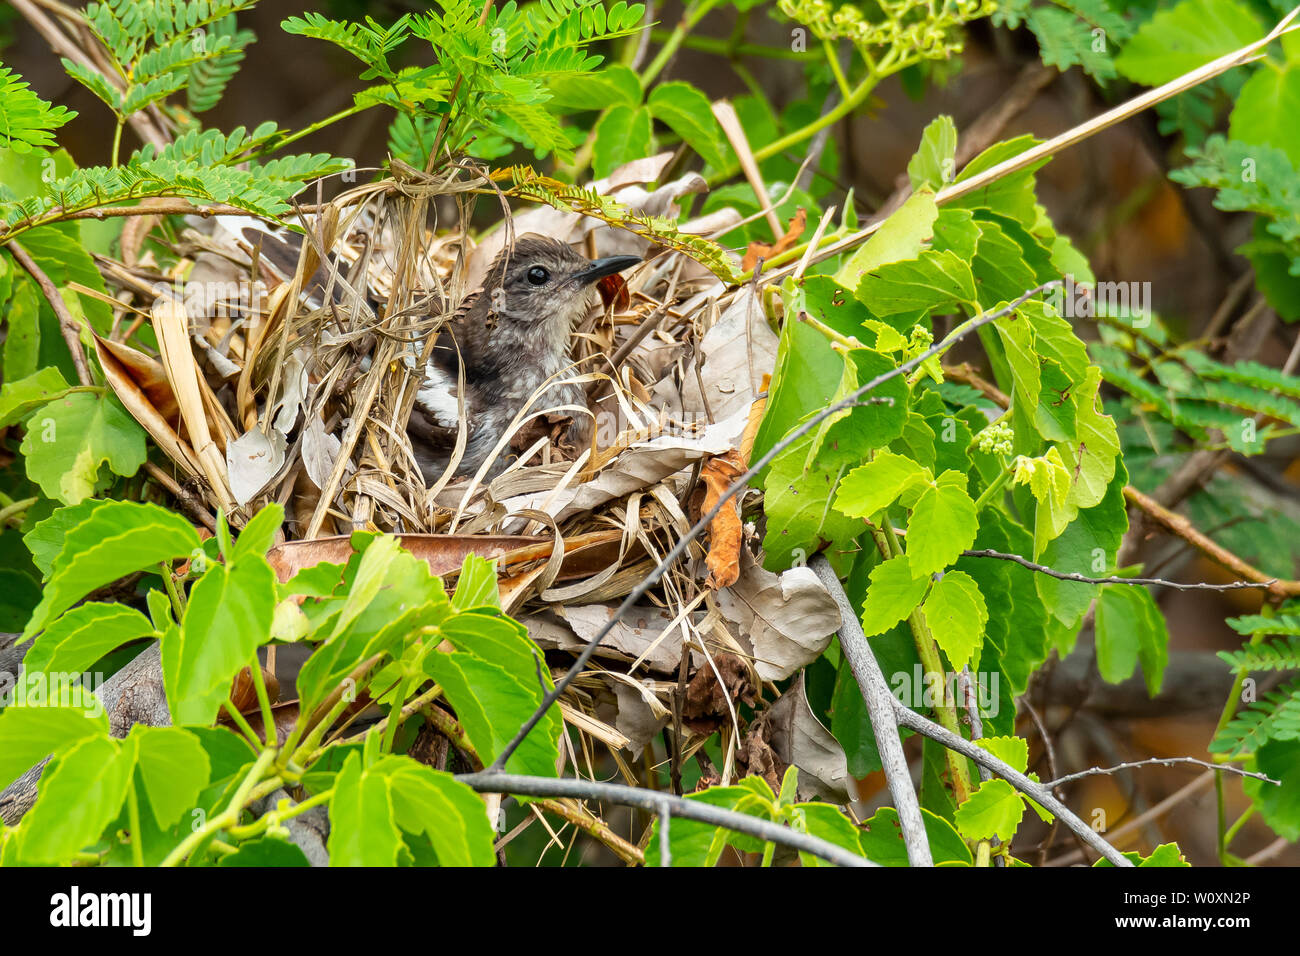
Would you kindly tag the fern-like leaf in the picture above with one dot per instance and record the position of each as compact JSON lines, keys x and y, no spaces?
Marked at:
{"x":1275,"y":716}
{"x":26,"y":121}
{"x":1280,"y":655}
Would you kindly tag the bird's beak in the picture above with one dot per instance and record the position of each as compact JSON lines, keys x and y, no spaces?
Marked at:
{"x":600,"y":268}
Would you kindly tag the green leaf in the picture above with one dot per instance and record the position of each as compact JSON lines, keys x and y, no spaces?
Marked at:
{"x":174,"y":768}
{"x":1010,"y":750}
{"x":796,"y":499}
{"x":688,"y":113}
{"x":30,"y":734}
{"x":71,"y":437}
{"x":943,"y":524}
{"x":902,"y":236}
{"x":892,"y":595}
{"x":616,"y":85}
{"x":878,"y":484}
{"x":20,"y":397}
{"x":1279,"y":805}
{"x":933,"y":281}
{"x":1180,"y":39}
{"x":26,"y":120}
{"x":363,"y":830}
{"x":228,"y":617}
{"x":477,"y":585}
{"x":882,"y":840}
{"x":492,"y":703}
{"x":1266,"y":108}
{"x":259,"y":534}
{"x":956,"y":614}
{"x":847,"y":435}
{"x":932,"y":165}
{"x":79,"y":797}
{"x":994,"y":810}
{"x":115,"y":539}
{"x":449,"y":813}
{"x":1131,"y":628}
{"x":83,"y":635}
{"x":265,"y":851}
{"x":622,"y":135}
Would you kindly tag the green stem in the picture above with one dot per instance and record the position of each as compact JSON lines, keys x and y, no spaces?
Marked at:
{"x":229,"y":817}
{"x":117,"y":140}
{"x":137,"y":838}
{"x":15,"y":510}
{"x":276,"y":817}
{"x":994,"y":488}
{"x":245,"y":727}
{"x":395,"y":713}
{"x":276,"y":143}
{"x":727,"y":48}
{"x":932,"y":663}
{"x":695,"y":12}
{"x":833,"y":58}
{"x":264,"y":702}
{"x":1233,"y":830}
{"x":178,"y":602}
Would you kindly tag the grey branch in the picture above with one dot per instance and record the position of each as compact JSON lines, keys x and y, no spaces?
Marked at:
{"x":1163,"y":762}
{"x":880,"y":708}
{"x":1037,"y":791}
{"x":849,"y":401}
{"x":495,"y":782}
{"x":1084,"y":579}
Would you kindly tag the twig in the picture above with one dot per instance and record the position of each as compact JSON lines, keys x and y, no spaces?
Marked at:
{"x":1164,"y":806}
{"x":1084,"y":579}
{"x":656,"y":802}
{"x":875,"y":692}
{"x":849,"y":401}
{"x":68,"y":325}
{"x":1036,"y":791}
{"x":1163,"y":762}
{"x":1077,"y":134}
{"x":1182,"y":527}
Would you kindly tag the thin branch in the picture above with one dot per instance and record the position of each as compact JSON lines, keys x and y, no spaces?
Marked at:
{"x":656,"y":802}
{"x":875,"y":692}
{"x":1162,"y":762}
{"x":1036,"y":791}
{"x":1084,"y":579}
{"x":68,"y":326}
{"x":1188,"y":790}
{"x":850,"y":401}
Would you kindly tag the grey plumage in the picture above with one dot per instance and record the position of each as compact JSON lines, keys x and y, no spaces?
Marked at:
{"x":511,"y":336}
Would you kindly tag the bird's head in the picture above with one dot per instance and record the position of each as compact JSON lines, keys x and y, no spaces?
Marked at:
{"x":539,"y":278}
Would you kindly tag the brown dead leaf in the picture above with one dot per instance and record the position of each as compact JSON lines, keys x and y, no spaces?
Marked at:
{"x":706,"y":702}
{"x":765,"y":251}
{"x":725,"y":531}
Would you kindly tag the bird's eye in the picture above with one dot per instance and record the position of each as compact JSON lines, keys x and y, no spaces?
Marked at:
{"x":538,"y":275}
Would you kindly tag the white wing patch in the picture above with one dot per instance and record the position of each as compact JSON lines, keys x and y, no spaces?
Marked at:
{"x":437,"y":397}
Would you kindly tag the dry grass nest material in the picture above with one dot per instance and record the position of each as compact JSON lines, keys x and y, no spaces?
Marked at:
{"x":260,"y":391}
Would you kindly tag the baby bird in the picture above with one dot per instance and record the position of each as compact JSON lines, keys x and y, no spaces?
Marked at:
{"x":510,"y":336}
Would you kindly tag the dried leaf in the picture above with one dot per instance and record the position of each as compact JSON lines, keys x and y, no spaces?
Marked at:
{"x":788,"y":618}
{"x":725,"y":531}
{"x":765,"y":251}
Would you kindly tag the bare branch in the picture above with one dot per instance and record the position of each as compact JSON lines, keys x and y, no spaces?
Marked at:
{"x":880,"y":708}
{"x":1162,"y":762}
{"x":658,"y":802}
{"x":1114,"y":579}
{"x":1037,"y":791}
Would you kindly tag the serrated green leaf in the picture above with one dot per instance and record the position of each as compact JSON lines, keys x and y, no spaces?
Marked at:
{"x":71,"y":437}
{"x":892,"y":595}
{"x":1183,"y":37}
{"x":877,"y":484}
{"x":994,"y":810}
{"x":174,"y":769}
{"x":943,"y":524}
{"x":956,"y":613}
{"x":83,"y":635}
{"x":688,"y":113}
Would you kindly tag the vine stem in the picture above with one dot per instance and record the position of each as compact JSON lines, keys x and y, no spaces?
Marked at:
{"x":690,"y":19}
{"x":933,"y":664}
{"x":230,"y":816}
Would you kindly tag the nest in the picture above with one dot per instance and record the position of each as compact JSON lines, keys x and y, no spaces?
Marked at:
{"x":293,"y":382}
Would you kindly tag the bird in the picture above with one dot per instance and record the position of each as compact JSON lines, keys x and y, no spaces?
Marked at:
{"x":508,"y":338}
